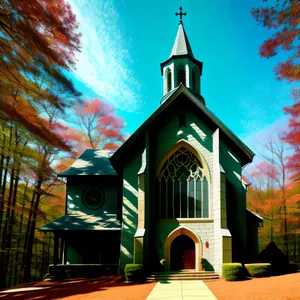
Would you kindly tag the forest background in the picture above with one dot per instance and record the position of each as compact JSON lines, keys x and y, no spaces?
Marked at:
{"x":46,"y":123}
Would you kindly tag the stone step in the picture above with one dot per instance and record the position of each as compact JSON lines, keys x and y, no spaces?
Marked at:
{"x":183,"y":276}
{"x":183,"y":272}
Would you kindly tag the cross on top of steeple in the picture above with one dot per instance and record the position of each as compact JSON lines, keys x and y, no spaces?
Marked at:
{"x":180,"y":14}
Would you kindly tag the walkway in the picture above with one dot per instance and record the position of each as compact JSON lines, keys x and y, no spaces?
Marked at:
{"x":181,"y":290}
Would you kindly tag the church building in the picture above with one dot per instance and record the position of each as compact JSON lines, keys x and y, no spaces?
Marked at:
{"x":174,"y":190}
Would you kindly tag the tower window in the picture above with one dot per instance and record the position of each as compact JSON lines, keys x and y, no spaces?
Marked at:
{"x":168,"y":80}
{"x":194,"y":80}
{"x":181,"y":76}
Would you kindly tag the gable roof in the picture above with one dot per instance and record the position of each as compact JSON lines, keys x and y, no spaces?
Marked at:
{"x":170,"y":97}
{"x":91,"y":162}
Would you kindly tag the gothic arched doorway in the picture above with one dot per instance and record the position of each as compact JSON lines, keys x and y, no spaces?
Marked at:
{"x":182,"y":253}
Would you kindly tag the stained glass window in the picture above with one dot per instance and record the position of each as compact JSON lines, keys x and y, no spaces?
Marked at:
{"x":182,"y":187}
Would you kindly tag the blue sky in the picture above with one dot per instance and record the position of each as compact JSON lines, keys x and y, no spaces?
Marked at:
{"x":124,"y":42}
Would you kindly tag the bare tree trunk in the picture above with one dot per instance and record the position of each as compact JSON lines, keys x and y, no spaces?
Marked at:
{"x":43,"y":259}
{"x":1,"y":184}
{"x":20,"y":234}
{"x":27,"y":270}
{"x":3,"y":261}
{"x":22,"y":275}
{"x":36,"y":261}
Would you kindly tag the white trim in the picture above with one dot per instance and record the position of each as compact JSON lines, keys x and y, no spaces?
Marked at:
{"x":194,"y":220}
{"x":140,"y":233}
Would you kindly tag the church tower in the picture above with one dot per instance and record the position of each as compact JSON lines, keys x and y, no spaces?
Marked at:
{"x":181,"y":66}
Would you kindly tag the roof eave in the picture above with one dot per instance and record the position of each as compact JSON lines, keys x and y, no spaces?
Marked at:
{"x":194,"y":60}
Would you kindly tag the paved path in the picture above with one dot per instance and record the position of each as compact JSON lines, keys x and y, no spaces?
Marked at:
{"x":181,"y":290}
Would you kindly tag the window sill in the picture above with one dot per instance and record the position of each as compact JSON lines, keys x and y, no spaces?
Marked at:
{"x":187,"y":220}
{"x":195,"y":220}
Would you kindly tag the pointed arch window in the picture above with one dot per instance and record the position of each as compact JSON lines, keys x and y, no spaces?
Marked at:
{"x":169,"y":80}
{"x":182,"y":187}
{"x":181,"y":76}
{"x":195,"y":79}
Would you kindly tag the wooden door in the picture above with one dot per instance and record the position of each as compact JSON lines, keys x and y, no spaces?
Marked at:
{"x":182,"y":253}
{"x":189,"y":258}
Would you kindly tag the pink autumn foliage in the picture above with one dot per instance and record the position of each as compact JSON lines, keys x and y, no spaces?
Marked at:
{"x":265,"y":168}
{"x":96,"y":107}
{"x":104,"y":121}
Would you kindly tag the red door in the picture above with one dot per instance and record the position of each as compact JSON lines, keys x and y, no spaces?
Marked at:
{"x":182,"y":253}
{"x":189,"y":259}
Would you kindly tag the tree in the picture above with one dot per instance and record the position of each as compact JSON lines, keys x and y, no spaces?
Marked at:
{"x":284,"y":19}
{"x":261,"y":195}
{"x":102,"y":128}
{"x":275,"y":196}
{"x":38,"y":40}
{"x":292,"y":135}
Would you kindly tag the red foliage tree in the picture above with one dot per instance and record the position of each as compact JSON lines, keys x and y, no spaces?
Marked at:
{"x":102,"y":128}
{"x":292,"y":135}
{"x":284,"y":19}
{"x":38,"y":40}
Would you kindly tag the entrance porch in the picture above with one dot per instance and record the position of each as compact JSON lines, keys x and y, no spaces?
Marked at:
{"x":84,"y":246}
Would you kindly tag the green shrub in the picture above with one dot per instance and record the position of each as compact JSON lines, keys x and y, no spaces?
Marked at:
{"x":134,"y":272}
{"x":291,"y":268}
{"x":259,"y":270}
{"x":233,"y":271}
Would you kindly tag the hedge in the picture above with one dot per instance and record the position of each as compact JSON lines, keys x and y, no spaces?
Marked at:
{"x":259,"y":270}
{"x":233,"y":271}
{"x":291,"y":268}
{"x":134,"y":272}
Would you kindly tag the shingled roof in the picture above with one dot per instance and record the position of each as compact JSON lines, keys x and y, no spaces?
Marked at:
{"x":91,"y":162}
{"x":83,"y":222}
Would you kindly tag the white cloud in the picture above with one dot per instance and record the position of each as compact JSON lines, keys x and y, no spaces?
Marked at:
{"x":104,"y":64}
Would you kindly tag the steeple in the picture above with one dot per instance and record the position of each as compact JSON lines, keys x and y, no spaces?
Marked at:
{"x":182,"y":45}
{"x":181,"y":66}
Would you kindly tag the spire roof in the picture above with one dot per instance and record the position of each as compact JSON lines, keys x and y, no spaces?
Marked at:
{"x":182,"y":45}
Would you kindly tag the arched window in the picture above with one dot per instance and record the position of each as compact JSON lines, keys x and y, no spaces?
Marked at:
{"x":169,"y":80}
{"x":181,"y":76}
{"x":194,"y":79}
{"x":183,"y":190}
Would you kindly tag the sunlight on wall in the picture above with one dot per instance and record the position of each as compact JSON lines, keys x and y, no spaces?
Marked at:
{"x":130,"y":188}
{"x":126,"y":252}
{"x":201,"y":134}
{"x":233,"y":156}
{"x":240,"y":179}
